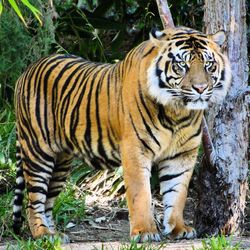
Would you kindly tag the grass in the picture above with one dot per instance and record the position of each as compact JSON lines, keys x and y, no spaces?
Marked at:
{"x":5,"y":214}
{"x":220,"y":242}
{"x":146,"y":246}
{"x":47,"y":242}
{"x":70,"y":205}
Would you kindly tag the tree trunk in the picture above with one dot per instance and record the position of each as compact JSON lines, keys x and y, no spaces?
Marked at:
{"x":223,"y":186}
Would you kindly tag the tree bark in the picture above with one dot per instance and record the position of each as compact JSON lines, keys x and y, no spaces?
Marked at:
{"x":222,"y":187}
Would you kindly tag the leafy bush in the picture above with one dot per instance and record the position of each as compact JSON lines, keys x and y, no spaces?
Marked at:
{"x":20,"y":46}
{"x":5,"y":214}
{"x":7,"y":137}
{"x":106,"y":30}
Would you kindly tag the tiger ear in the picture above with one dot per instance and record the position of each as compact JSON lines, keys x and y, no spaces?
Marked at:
{"x":155,"y":36}
{"x":156,"y":33}
{"x":218,"y":37}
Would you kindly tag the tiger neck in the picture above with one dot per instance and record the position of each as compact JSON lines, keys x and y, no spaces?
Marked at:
{"x":174,"y":111}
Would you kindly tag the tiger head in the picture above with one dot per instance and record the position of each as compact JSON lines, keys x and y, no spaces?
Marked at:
{"x":189,"y":69}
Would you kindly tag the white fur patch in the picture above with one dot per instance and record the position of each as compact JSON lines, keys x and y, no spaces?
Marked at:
{"x":17,"y":208}
{"x":197,"y":105}
{"x":161,"y":95}
{"x":19,"y":180}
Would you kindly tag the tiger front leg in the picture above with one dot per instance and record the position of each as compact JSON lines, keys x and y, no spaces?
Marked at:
{"x":137,"y":171}
{"x":175,"y":175}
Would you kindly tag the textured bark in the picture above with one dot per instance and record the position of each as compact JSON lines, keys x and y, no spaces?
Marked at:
{"x":165,"y":14}
{"x":223,"y":186}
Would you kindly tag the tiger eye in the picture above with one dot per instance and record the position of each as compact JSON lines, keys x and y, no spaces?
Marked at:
{"x":182,"y":64}
{"x":209,"y":63}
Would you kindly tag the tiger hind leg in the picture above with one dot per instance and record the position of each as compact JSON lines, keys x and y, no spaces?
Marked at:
{"x":57,"y":181}
{"x":38,"y":169}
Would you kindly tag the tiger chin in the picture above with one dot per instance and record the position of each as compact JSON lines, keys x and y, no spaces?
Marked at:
{"x":145,"y":110}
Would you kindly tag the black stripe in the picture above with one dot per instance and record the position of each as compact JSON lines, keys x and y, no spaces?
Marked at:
{"x":146,"y":107}
{"x":45,"y":90}
{"x":177,"y":155}
{"x":87,"y":134}
{"x":100,"y":146}
{"x":164,"y":120}
{"x":39,"y":90}
{"x":170,"y":190}
{"x":146,"y":125}
{"x":36,"y":189}
{"x":148,"y":52}
{"x":138,"y":136}
{"x":65,"y":107}
{"x":34,"y":147}
{"x":167,"y":207}
{"x":169,"y":177}
{"x":74,"y":117}
{"x":194,"y":135}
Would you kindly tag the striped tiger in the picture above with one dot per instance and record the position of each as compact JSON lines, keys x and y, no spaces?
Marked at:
{"x":144,"y":110}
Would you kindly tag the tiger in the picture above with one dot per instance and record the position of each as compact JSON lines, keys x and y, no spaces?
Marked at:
{"x":145,"y":110}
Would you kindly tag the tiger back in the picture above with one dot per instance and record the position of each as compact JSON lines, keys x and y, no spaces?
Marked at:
{"x":145,"y":110}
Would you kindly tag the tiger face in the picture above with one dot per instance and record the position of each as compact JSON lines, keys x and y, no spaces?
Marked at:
{"x":190,"y":68}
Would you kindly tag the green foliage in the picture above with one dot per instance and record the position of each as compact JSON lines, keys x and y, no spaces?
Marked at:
{"x":5,"y":214}
{"x":47,"y":242}
{"x":79,"y":171}
{"x":106,"y":30}
{"x":69,"y":206}
{"x":147,"y":246}
{"x":16,"y":8}
{"x":20,"y":46}
{"x":220,"y":242}
{"x":7,"y":137}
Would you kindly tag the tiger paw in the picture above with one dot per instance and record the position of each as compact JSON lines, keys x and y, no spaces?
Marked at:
{"x":183,"y":232}
{"x":146,"y":237}
{"x":45,"y":232}
{"x":168,"y":228}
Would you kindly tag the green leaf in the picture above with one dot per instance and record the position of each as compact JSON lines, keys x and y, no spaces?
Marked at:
{"x":1,"y":7}
{"x":2,"y":159}
{"x":34,"y":10}
{"x":118,"y":39}
{"x":17,"y":10}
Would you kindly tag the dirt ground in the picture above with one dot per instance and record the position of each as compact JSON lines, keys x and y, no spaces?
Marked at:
{"x":106,"y":225}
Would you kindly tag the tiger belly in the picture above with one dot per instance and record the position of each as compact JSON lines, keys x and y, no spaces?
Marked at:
{"x":109,"y":159}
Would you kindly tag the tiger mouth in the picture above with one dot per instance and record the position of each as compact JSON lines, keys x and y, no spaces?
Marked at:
{"x":198,"y":103}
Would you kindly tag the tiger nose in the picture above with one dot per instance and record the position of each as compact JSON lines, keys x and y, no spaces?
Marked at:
{"x":199,"y":87}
